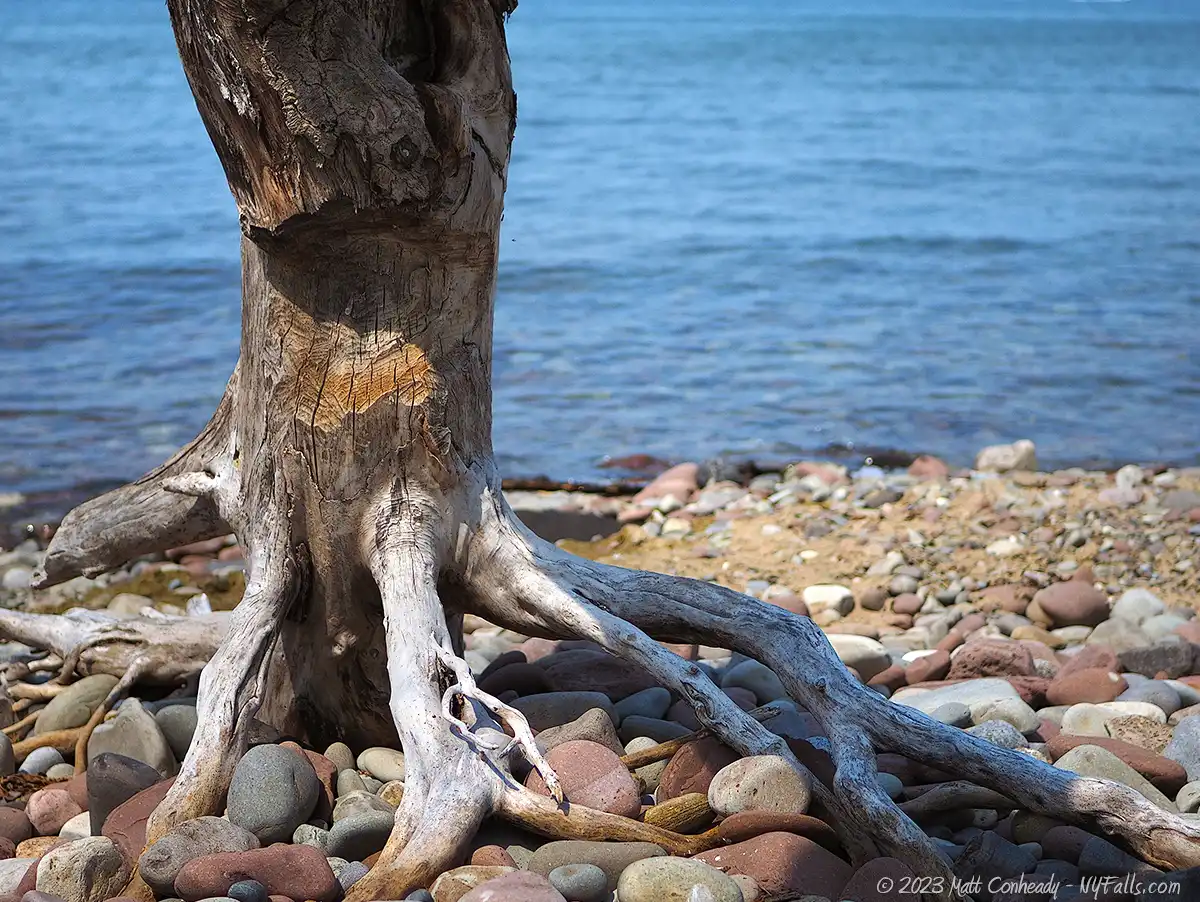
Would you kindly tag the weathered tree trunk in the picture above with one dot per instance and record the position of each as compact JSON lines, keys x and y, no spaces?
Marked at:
{"x":367,"y":143}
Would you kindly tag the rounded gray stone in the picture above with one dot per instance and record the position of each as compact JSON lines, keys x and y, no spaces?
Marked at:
{"x":580,"y":882}
{"x":41,"y":760}
{"x":135,"y":734}
{"x":952,"y":714}
{"x":759,"y":783}
{"x":74,"y":705}
{"x":349,"y":781}
{"x":351,"y":873}
{"x":755,"y":677}
{"x":360,"y":835}
{"x":311,"y":835}
{"x":1188,"y":798}
{"x":653,"y":702}
{"x":359,"y":802}
{"x":8,"y":760}
{"x":610,"y":857}
{"x":593,"y":725}
{"x":1184,"y":747}
{"x":1155,"y":692}
{"x":274,"y":790}
{"x":178,"y":725}
{"x":339,"y":753}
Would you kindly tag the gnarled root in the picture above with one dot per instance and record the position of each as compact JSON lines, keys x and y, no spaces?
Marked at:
{"x":523,"y":582}
{"x":167,"y":649}
{"x":152,"y":648}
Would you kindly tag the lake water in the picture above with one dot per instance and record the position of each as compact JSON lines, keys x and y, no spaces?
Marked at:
{"x":750,"y":228}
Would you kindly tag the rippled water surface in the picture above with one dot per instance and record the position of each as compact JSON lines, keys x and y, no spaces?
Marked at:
{"x":756,"y":228}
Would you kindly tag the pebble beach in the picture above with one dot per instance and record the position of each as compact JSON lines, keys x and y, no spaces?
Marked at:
{"x":1048,"y":612}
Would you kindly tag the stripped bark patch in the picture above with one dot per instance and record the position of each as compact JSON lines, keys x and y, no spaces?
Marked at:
{"x":336,"y":372}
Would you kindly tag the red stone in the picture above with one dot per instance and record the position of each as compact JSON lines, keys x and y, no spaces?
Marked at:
{"x":789,"y":602}
{"x":970,"y":623}
{"x":928,"y":467}
{"x":991,"y":658}
{"x":783,"y":863}
{"x":1011,"y":598}
{"x":894,"y":677}
{"x":1073,"y":603}
{"x":950,"y":641}
{"x":1089,"y":657}
{"x":522,"y":886}
{"x":48,"y":809}
{"x":298,"y":872}
{"x":692,"y":768}
{"x":1032,"y":689}
{"x":933,"y":666}
{"x":76,"y":786}
{"x":205,"y":546}
{"x":1164,"y":773}
{"x":680,"y":480}
{"x":1092,"y":686}
{"x":14,"y":825}
{"x":908,"y":603}
{"x":126,"y":824}
{"x":683,"y":650}
{"x":537,"y":648}
{"x":1048,"y":729}
{"x":492,"y":856}
{"x":592,"y":776}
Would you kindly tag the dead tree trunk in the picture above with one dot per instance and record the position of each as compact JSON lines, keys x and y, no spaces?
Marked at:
{"x":366,"y":143}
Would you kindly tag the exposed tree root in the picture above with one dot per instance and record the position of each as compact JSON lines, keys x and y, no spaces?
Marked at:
{"x":63,"y":740}
{"x":167,"y":649}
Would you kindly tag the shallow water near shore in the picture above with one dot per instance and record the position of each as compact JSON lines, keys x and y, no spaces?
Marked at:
{"x":756,"y":229}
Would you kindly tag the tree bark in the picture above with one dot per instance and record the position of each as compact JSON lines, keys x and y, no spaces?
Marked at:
{"x":366,"y":143}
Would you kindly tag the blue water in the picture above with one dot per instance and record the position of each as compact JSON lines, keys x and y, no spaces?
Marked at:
{"x":756,"y":228}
